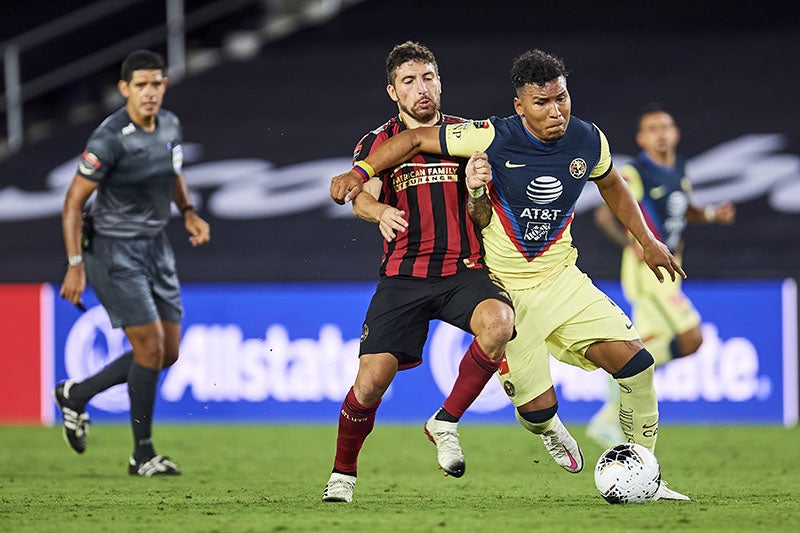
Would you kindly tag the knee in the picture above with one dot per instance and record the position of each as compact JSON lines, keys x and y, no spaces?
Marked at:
{"x":170,"y":357}
{"x":690,"y":342}
{"x":494,"y":325}
{"x":369,"y":392}
{"x":150,"y":352}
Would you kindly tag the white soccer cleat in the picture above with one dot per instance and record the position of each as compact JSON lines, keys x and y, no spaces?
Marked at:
{"x":445,"y":436}
{"x":666,"y":493}
{"x":564,"y":449}
{"x":339,"y":488}
{"x":604,"y":432}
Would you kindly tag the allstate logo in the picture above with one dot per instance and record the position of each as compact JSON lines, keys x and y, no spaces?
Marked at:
{"x":91,"y":344}
{"x":448,"y":345}
{"x":544,"y":190}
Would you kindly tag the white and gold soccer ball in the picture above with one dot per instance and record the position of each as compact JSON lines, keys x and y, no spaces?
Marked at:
{"x":627,"y":473}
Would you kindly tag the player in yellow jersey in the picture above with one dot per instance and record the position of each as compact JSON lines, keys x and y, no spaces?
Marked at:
{"x":541,"y":158}
{"x":663,"y":315}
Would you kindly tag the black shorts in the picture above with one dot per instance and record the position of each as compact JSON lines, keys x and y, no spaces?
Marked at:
{"x":135,"y":279}
{"x":401,"y":309}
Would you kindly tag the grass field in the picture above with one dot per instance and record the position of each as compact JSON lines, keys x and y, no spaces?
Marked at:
{"x":270,"y":478}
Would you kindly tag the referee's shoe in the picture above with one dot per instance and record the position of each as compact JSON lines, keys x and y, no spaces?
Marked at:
{"x":76,"y":420}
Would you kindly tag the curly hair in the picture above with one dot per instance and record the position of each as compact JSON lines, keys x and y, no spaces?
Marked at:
{"x":536,"y":67}
{"x":408,"y":51}
{"x":141,"y":60}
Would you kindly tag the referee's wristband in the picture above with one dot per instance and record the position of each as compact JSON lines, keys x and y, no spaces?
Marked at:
{"x":477,"y":193}
{"x":365,"y":169}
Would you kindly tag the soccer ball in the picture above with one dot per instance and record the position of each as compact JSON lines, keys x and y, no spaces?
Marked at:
{"x":627,"y":473}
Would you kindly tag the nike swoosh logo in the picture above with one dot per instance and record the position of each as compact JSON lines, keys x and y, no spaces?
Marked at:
{"x":509,"y":164}
{"x":650,"y":426}
{"x":573,"y":464}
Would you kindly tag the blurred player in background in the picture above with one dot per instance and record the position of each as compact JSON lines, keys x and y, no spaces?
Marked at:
{"x":663,"y":315}
{"x":133,"y":162}
{"x":541,"y":158}
{"x":431,"y":269}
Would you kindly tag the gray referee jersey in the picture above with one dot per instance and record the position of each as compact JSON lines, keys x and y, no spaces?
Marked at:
{"x":136,"y":172}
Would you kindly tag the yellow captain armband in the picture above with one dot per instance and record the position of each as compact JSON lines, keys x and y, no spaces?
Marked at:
{"x":365,"y":169}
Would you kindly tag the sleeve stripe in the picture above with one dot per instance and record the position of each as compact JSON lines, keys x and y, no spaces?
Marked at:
{"x":443,"y":140}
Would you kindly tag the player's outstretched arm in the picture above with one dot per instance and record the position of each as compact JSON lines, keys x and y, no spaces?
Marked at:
{"x":618,"y":197}
{"x":724,"y":213}
{"x":391,"y":153}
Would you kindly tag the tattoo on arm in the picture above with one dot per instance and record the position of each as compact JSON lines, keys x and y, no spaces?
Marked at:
{"x":480,"y":211}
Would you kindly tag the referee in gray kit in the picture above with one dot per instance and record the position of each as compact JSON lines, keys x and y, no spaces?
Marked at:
{"x":133,"y":162}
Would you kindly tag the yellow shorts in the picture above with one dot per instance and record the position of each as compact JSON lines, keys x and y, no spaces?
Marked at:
{"x":658,"y":309}
{"x":565,"y":314}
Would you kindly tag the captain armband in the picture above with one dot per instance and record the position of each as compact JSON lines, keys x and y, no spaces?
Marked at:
{"x":365,"y":169}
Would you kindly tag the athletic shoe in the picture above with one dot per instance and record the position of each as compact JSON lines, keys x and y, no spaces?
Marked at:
{"x":604,"y":432}
{"x":666,"y":493}
{"x":76,"y":421}
{"x":339,"y":488}
{"x":445,"y":436}
{"x":155,"y":466}
{"x":562,"y":447}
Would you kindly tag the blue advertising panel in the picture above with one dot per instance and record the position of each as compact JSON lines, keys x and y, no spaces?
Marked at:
{"x":288,"y":353}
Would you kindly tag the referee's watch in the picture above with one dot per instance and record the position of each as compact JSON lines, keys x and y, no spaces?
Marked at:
{"x":74,"y":260}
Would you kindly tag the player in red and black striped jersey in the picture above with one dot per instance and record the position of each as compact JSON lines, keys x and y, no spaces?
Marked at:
{"x":440,"y":240}
{"x":431,"y":269}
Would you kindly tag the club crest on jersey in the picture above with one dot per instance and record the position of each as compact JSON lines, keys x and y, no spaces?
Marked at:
{"x":364,"y":332}
{"x":577,"y":168}
{"x":536,"y":231}
{"x":509,"y":388}
{"x":89,"y":163}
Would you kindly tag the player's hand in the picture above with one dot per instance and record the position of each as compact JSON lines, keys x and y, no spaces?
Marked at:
{"x":199,"y":230}
{"x":73,"y":285}
{"x":479,"y":171}
{"x":657,"y":256}
{"x":724,"y":213}
{"x":392,"y":221}
{"x":345,"y":187}
{"x":637,"y":250}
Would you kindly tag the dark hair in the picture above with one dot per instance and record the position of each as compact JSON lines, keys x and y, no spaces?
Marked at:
{"x":408,"y":51}
{"x":141,"y":60}
{"x":536,"y":67}
{"x":649,"y":109}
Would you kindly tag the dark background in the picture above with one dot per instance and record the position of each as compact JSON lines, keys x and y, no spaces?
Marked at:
{"x":726,"y":69}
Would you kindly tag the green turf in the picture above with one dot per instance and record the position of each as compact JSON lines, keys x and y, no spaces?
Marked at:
{"x":270,"y":478}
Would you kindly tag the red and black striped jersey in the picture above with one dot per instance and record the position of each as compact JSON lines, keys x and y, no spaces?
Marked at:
{"x":440,"y":239}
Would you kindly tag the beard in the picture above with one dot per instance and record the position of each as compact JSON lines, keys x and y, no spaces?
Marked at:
{"x":422,"y":114}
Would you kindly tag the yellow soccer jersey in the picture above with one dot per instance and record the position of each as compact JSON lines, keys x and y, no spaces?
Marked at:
{"x":534,"y":189}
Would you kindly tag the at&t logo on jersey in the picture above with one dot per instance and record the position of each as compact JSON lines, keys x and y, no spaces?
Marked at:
{"x":544,"y":190}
